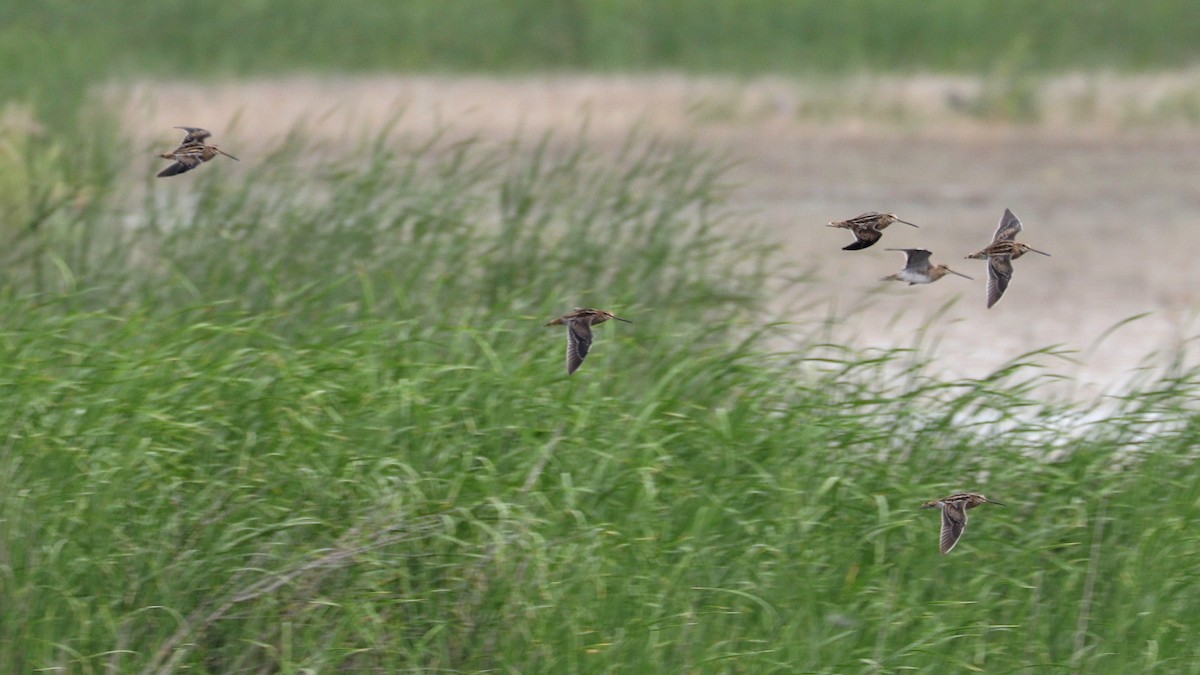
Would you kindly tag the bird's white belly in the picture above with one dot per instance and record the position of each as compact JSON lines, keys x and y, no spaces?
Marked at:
{"x":914,"y":278}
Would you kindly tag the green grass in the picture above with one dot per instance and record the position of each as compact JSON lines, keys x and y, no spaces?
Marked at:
{"x":311,"y":422}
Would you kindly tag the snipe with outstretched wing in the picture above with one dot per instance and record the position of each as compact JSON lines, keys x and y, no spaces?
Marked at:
{"x":954,"y":515}
{"x":867,"y":228}
{"x":918,"y":269}
{"x":1000,"y":253}
{"x":191,"y":153}
{"x":579,"y":332}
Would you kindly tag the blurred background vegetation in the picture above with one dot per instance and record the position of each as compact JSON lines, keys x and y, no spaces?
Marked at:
{"x":51,"y":49}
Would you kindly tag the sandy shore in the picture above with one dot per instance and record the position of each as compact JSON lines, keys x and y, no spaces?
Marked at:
{"x":1106,"y":178}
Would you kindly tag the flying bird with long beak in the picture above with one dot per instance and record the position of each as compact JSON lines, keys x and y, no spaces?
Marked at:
{"x":954,"y":515}
{"x":579,"y":333}
{"x":191,"y":153}
{"x":867,"y":228}
{"x":918,"y":269}
{"x":1000,"y":253}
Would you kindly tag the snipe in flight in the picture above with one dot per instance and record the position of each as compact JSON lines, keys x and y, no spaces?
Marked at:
{"x":191,"y":153}
{"x":918,"y":269}
{"x":867,"y":228}
{"x":1000,"y":253}
{"x":954,"y":515}
{"x":579,"y":332}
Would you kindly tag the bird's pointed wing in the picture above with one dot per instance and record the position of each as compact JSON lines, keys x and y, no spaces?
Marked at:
{"x":954,"y":521}
{"x":579,"y":343}
{"x":1000,"y":271}
{"x":1010,"y":225}
{"x":183,"y":163}
{"x":863,"y":237}
{"x":917,"y":259}
{"x":193,"y":135}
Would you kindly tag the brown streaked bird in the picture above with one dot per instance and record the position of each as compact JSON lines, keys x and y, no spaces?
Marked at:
{"x":1000,"y":253}
{"x":918,"y":269}
{"x":954,"y":515}
{"x":579,"y":332}
{"x":191,"y":153}
{"x":867,"y":228}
